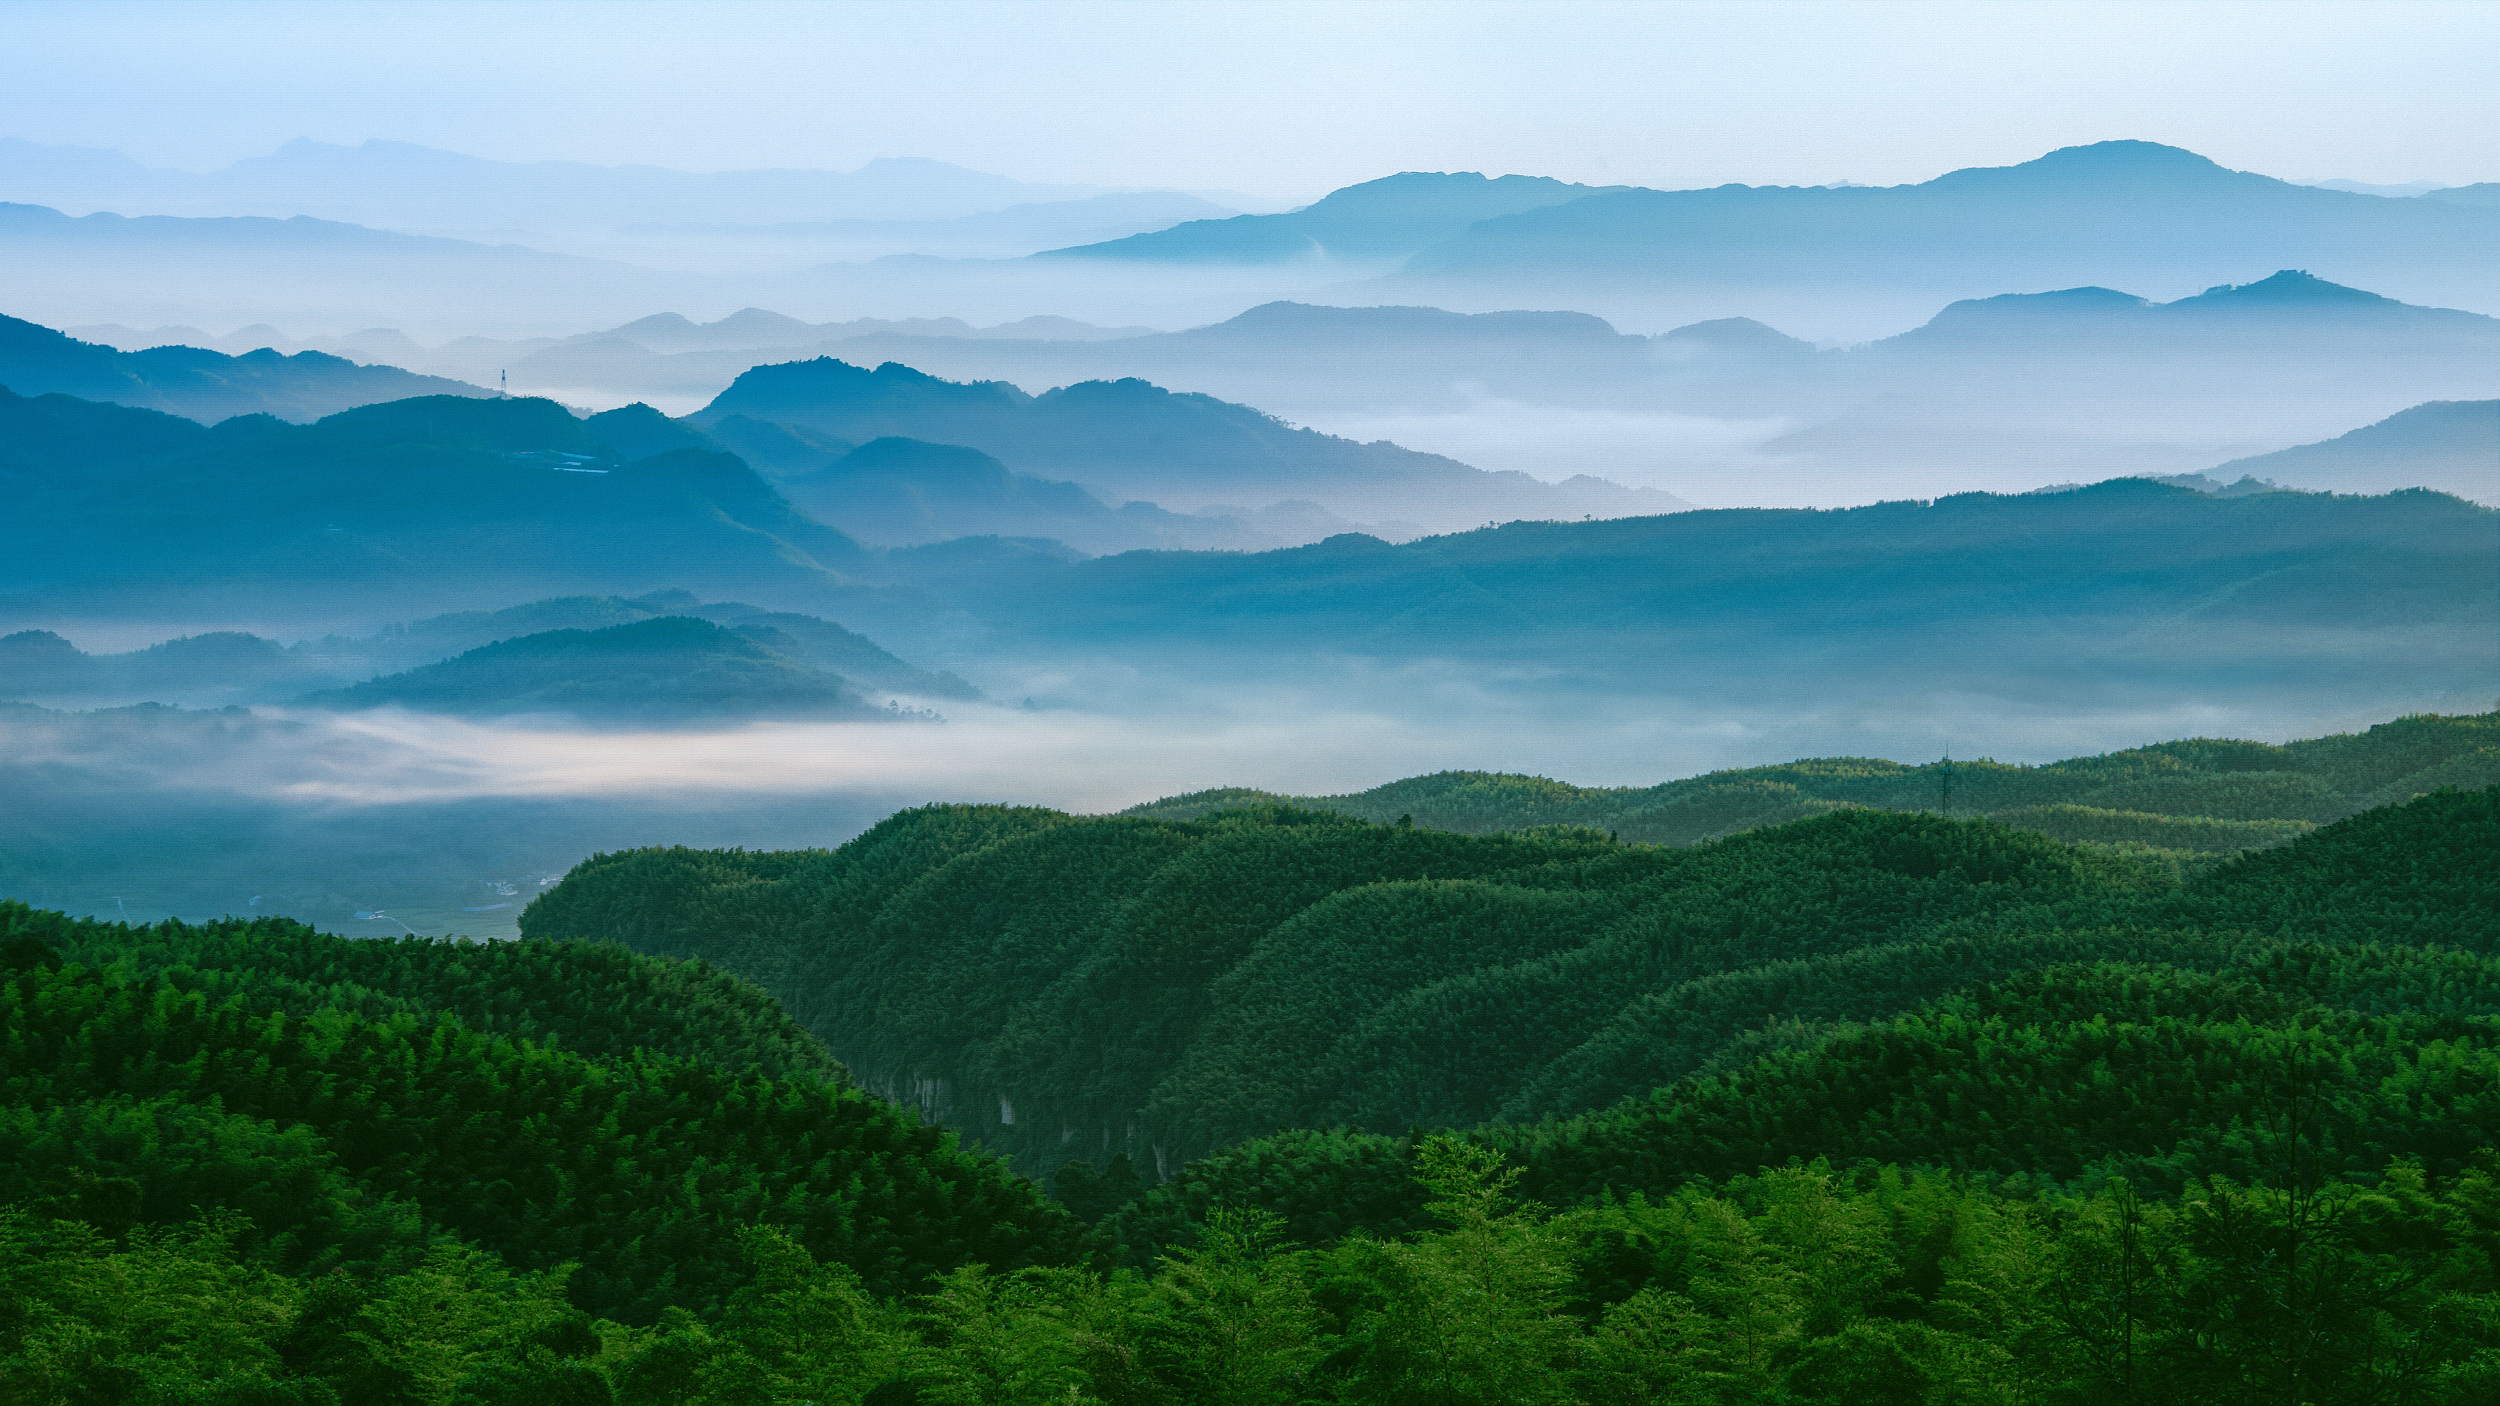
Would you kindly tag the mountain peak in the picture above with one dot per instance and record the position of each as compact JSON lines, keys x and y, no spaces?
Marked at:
{"x":2291,"y":286}
{"x":2098,"y":163}
{"x":1734,"y":334}
{"x":2123,"y":156}
{"x":656,"y":322}
{"x":760,"y":321}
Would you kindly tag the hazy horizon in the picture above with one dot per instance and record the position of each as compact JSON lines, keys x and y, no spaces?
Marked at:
{"x":1284,"y":101}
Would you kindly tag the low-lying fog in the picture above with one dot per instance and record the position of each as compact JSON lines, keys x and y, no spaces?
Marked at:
{"x":450,"y":825}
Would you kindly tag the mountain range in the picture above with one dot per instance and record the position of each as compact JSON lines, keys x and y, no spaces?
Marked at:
{"x":2089,"y":591}
{"x":203,"y":385}
{"x":2092,"y":378}
{"x":1132,"y":440}
{"x":2111,"y":213}
{"x":2068,"y":381}
{"x":400,"y":185}
{"x":437,"y":489}
{"x":299,"y":269}
{"x":1835,"y":263}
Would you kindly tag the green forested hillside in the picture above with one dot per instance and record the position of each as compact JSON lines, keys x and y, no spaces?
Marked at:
{"x":1152,"y":989}
{"x":2193,"y":795}
{"x":544,"y":1104}
{"x":1873,"y":1106}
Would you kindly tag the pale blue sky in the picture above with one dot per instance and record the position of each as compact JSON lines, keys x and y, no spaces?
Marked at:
{"x":1281,"y":98}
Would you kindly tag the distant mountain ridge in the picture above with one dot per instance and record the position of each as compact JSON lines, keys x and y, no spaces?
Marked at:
{"x":2096,"y":379}
{"x":407,"y":185}
{"x":2122,"y":584}
{"x":85,"y":268}
{"x":227,"y":667}
{"x":203,"y":385}
{"x":2310,"y":305}
{"x":898,"y":491}
{"x":1384,"y":219}
{"x":2440,"y":435}
{"x":1136,"y":440}
{"x":2122,"y":210}
{"x":434,"y":488}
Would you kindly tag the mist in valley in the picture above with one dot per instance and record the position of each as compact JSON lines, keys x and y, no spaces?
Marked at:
{"x":449,"y":824}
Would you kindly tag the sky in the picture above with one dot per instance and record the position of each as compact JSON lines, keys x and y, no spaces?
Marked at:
{"x":1281,"y":99}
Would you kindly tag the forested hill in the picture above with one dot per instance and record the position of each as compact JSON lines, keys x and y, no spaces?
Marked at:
{"x":1152,"y":989}
{"x":2277,"y":991}
{"x":1868,"y":1107}
{"x":544,"y":1104}
{"x":2202,"y":796}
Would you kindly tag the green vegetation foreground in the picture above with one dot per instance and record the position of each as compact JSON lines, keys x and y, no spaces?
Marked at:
{"x":1869,"y":1107}
{"x":1790,"y":1286}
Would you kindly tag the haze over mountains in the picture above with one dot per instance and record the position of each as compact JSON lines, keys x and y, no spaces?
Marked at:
{"x":1994,"y":327}
{"x":2017,"y":389}
{"x":1842,"y":263}
{"x":1135,"y":439}
{"x":201,"y":384}
{"x":667,"y":670}
{"x":986,"y":473}
{"x":2122,"y":214}
{"x":233,"y":667}
{"x":415,"y":189}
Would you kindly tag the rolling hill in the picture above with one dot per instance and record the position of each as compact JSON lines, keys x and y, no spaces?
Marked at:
{"x":2197,"y":797}
{"x":1159,"y":984}
{"x":1873,"y":1106}
{"x":670,"y":669}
